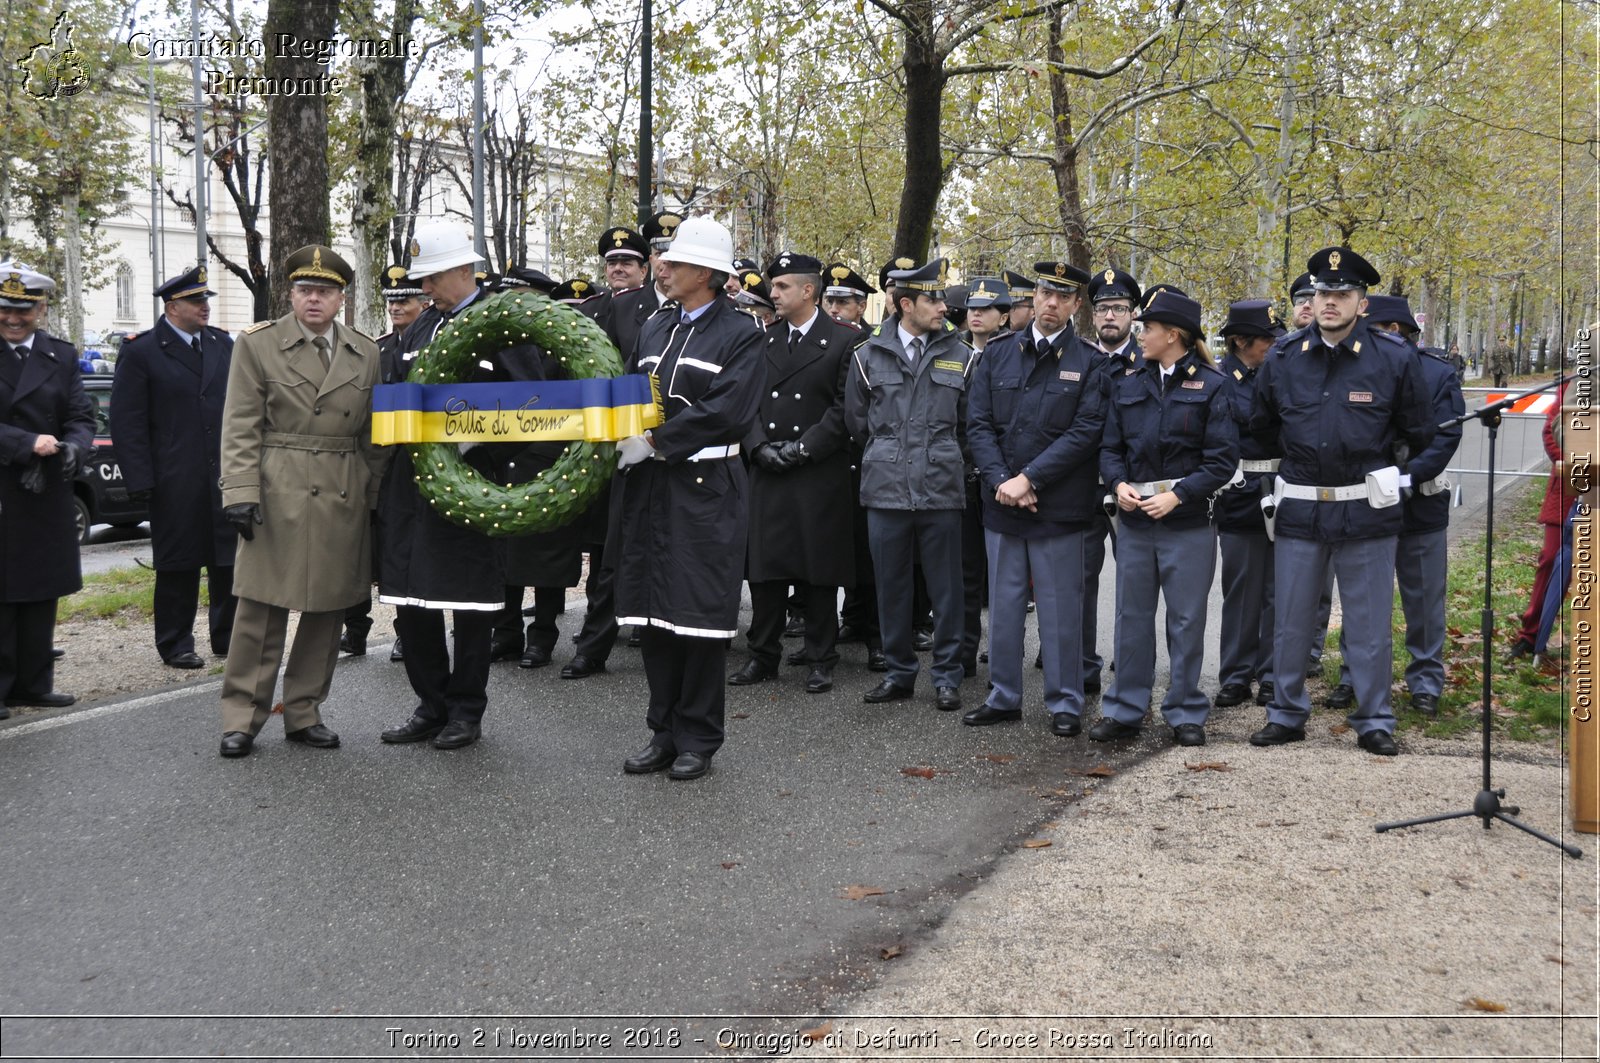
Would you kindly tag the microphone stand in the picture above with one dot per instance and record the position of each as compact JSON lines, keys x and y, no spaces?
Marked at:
{"x":1486,"y":806}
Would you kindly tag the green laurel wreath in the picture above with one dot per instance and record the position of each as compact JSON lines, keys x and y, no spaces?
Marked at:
{"x":558,"y":495}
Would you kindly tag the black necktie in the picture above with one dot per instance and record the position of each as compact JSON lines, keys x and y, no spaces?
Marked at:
{"x":21,"y":353}
{"x":794,"y":339}
{"x":195,"y":343}
{"x":916,"y":351}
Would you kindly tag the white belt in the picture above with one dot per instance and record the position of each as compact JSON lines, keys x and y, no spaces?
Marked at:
{"x":1263,"y":465}
{"x":1436,"y":486}
{"x":1154,"y":487}
{"x":1348,"y":493}
{"x":710,"y":453}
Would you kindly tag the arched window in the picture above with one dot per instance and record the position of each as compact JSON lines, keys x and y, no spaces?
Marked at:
{"x":125,"y":310}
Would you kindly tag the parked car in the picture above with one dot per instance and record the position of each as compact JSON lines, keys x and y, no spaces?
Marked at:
{"x":98,"y":494}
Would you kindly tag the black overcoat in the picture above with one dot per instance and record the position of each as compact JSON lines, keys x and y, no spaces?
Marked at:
{"x":166,"y":423}
{"x":801,"y":519}
{"x":682,"y":524}
{"x":38,"y":532}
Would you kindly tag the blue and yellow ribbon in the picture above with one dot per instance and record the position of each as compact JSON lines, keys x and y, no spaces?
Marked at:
{"x":597,"y":410}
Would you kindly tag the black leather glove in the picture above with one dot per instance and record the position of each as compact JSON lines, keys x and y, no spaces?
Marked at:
{"x":243,"y":516}
{"x":71,"y":459}
{"x":32,"y":477}
{"x":142,"y":495}
{"x":766,"y":456}
{"x":793,"y":454}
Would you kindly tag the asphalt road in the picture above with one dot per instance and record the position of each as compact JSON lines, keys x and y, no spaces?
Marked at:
{"x":525,"y":876}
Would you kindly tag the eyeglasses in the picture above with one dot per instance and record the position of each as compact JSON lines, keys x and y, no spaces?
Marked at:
{"x":1302,"y":300}
{"x":1111,"y":309}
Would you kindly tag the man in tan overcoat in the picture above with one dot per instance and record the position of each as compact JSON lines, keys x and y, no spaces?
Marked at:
{"x":299,"y":477}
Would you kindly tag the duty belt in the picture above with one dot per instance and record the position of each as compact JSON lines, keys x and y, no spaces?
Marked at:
{"x":709,"y":453}
{"x":1262,"y":465}
{"x":314,"y":444}
{"x":1307,"y":493}
{"x":1154,"y":487}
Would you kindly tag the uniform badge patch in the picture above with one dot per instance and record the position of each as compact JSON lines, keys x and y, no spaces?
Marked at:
{"x":1238,"y":375}
{"x":1067,"y":374}
{"x":944,"y":363}
{"x":1361,"y":396}
{"x":1193,"y":385}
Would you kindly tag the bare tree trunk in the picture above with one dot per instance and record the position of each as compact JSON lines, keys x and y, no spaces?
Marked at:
{"x":297,"y":136}
{"x":1064,"y":161}
{"x":72,"y":245}
{"x":382,"y":84}
{"x":924,"y":163}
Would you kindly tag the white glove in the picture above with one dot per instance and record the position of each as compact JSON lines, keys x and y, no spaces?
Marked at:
{"x":633,"y":450}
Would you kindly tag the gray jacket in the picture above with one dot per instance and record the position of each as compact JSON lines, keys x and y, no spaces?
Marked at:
{"x":910,"y":424}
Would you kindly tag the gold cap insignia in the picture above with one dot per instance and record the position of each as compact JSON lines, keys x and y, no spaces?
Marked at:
{"x":841,"y":273}
{"x":670,"y":221}
{"x":619,"y":237}
{"x":415,"y":248}
{"x":1110,"y":275}
{"x":1272,"y":316}
{"x":1333,"y":260}
{"x":397,"y":273}
{"x":12,"y":287}
{"x":904,"y":263}
{"x":752,"y":279}
{"x":1061,"y":269}
{"x":579,"y":286}
{"x":201,"y":275}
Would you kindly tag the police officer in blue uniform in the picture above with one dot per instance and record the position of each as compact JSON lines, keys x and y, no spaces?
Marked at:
{"x":1170,"y":444}
{"x":1020,"y":288}
{"x":1114,"y":296}
{"x":988,"y":308}
{"x":167,"y":399}
{"x":1333,"y":400}
{"x":1421,"y":561}
{"x":907,"y":404}
{"x":1247,"y":618}
{"x":1035,"y":422}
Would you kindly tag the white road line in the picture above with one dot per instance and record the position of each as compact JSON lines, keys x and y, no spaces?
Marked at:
{"x":109,"y":710}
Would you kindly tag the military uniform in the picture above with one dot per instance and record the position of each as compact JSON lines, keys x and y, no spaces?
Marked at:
{"x":296,"y":449}
{"x":1334,"y":413}
{"x":167,"y":399}
{"x":41,"y":394}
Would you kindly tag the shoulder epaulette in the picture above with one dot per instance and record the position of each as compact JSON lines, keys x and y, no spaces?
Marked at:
{"x":257,"y":327}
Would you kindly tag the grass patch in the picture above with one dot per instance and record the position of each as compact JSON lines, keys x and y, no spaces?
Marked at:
{"x":120,"y":592}
{"x":1527,"y":703}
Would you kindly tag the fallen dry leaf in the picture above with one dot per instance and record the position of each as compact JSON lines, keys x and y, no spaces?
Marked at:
{"x":818,"y":1033}
{"x":889,"y":952}
{"x":729,"y":865}
{"x":919,"y":773}
{"x":856,"y":893}
{"x":1339,"y":729}
{"x":741,"y":716}
{"x":1483,"y":1005}
{"x":1037,"y":843}
{"x":1556,"y":959}
{"x":1208,"y":765}
{"x":277,"y":710}
{"x":1099,"y":771}
{"x":997,"y":758}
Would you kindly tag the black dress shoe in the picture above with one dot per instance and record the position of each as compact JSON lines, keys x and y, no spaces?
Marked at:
{"x":1266,"y":692}
{"x":1231,"y":694}
{"x":534,"y":657}
{"x":47,"y":700}
{"x":922,"y":641}
{"x":456,"y":734}
{"x":634,"y":636}
{"x":876,"y":661}
{"x":947,"y":699}
{"x":985,"y":715}
{"x":505,"y":650}
{"x":189,"y":660}
{"x":848,"y":633}
{"x":316,"y":735}
{"x":1340,"y":697}
{"x":1109,"y":730}
{"x":1189,"y":734}
{"x":795,"y":628}
{"x":820,"y":681}
{"x":795,"y":657}
{"x":887,"y":690}
{"x":649,"y":759}
{"x":690,"y":766}
{"x":237,"y":743}
{"x":753,"y":672}
{"x":1065,"y":724}
{"x":56,"y":653}
{"x":581,"y":667}
{"x":1520,"y":648}
{"x":354,"y":645}
{"x":415,"y":729}
{"x":1379,"y":743}
{"x":1427,"y":704}
{"x":1276,"y":734}
{"x":395,"y":652}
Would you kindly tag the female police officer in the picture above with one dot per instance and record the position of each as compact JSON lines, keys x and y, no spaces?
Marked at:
{"x":1170,"y":444}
